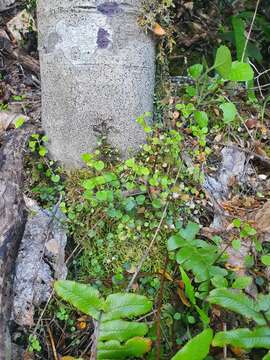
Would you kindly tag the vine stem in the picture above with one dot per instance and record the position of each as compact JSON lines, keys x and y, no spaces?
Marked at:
{"x":250,"y":29}
{"x":147,"y":252}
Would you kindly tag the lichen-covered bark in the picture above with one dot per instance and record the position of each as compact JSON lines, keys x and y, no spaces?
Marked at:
{"x":12,"y":221}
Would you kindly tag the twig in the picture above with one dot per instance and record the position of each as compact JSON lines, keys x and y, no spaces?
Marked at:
{"x":159,"y":306}
{"x":95,"y":337}
{"x":52,"y":343}
{"x":225,"y":346}
{"x":146,"y":254}
{"x":250,"y":29}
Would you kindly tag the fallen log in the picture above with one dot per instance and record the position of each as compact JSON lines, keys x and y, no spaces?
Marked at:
{"x":12,"y":221}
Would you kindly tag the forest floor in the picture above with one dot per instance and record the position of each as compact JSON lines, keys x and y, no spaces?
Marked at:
{"x":185,"y":223}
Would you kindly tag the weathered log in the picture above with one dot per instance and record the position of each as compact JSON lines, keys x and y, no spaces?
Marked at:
{"x":12,"y":221}
{"x":17,"y":54}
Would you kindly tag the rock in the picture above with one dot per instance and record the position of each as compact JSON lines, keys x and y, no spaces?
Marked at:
{"x":41,"y":260}
{"x":21,"y":24}
{"x":5,"y":4}
{"x":97,"y":71}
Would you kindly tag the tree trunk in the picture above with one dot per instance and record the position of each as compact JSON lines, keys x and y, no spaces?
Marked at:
{"x":97,"y":75}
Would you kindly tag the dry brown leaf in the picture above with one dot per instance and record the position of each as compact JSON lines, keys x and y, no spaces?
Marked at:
{"x":251,"y":123}
{"x":182,"y":297}
{"x":166,"y":275}
{"x":262,"y":218}
{"x":189,"y":5}
{"x":158,"y":30}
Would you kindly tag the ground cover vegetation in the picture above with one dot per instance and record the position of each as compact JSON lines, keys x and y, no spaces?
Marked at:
{"x":150,"y":275}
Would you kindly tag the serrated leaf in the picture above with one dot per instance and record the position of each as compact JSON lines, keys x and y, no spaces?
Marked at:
{"x":197,"y":348}
{"x":83,"y":297}
{"x":198,"y":260}
{"x":244,"y":338}
{"x":121,"y":330}
{"x":238,"y":302}
{"x":121,"y":306}
{"x":113,"y":349}
{"x":241,"y":71}
{"x":223,"y":61}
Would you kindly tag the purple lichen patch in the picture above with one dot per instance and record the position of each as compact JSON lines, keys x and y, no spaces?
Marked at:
{"x":109,"y":8}
{"x":103,"y":40}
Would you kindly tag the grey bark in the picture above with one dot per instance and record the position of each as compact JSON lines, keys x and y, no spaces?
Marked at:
{"x":13,"y":218}
{"x":40,"y":261}
{"x":5,"y":4}
{"x":97,"y":71}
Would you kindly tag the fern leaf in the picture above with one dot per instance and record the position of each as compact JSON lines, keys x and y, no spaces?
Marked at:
{"x":83,"y":297}
{"x":120,"y":306}
{"x":113,"y":349}
{"x":121,"y":330}
{"x":244,"y":338}
{"x":238,"y":302}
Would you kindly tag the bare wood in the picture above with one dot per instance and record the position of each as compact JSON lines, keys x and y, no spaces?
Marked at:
{"x":12,"y":220}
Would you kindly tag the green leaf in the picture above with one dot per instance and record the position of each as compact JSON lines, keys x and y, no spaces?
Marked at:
{"x":104,"y":195}
{"x":175,"y":242}
{"x":121,"y":330}
{"x":130,"y":204}
{"x":197,"y":348}
{"x":89,"y":184}
{"x":244,"y":338}
{"x":266,"y":356}
{"x":238,"y":302}
{"x":99,"y":165}
{"x":42,"y":151}
{"x":219,"y":281}
{"x":229,"y":112}
{"x":189,"y":289}
{"x":236,"y":244}
{"x":239,"y":35}
{"x":266,"y":260}
{"x":223,"y":61}
{"x":242,"y":282}
{"x":189,"y":233}
{"x":55,"y":178}
{"x":120,"y":306}
{"x":135,"y":347}
{"x":83,"y":297}
{"x":197,"y":260}
{"x":20,"y":121}
{"x":201,"y":119}
{"x":87,"y":157}
{"x":241,"y":71}
{"x":195,"y":71}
